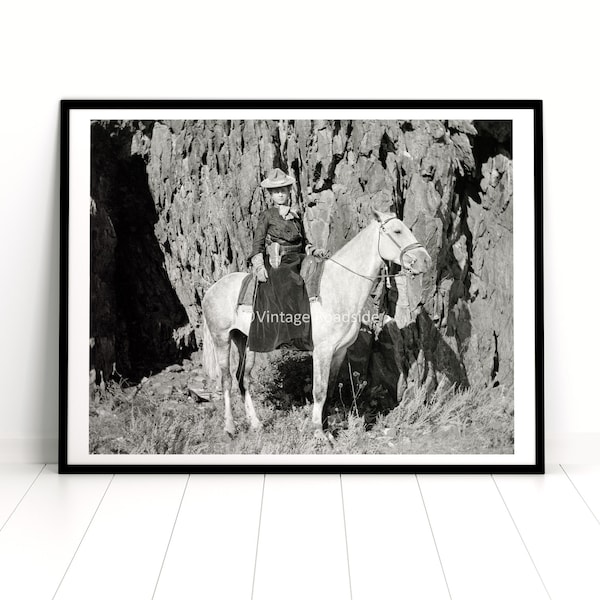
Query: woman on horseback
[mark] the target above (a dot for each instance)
(281, 314)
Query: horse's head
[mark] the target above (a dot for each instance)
(398, 244)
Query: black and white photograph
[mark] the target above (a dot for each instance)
(293, 289)
(298, 301)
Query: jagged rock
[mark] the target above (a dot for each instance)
(450, 181)
(133, 300)
(462, 126)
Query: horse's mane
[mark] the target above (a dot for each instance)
(357, 236)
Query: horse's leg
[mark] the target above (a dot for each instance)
(245, 384)
(222, 347)
(322, 356)
(244, 376)
(336, 363)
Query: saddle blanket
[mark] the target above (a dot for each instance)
(247, 291)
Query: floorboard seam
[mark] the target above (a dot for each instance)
(346, 537)
(162, 564)
(262, 497)
(433, 537)
(580, 494)
(83, 537)
(521, 537)
(14, 510)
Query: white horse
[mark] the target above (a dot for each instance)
(348, 277)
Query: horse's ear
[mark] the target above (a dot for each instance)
(378, 216)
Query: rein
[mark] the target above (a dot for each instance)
(356, 272)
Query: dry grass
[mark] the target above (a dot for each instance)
(134, 421)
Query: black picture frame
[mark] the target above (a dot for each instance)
(69, 250)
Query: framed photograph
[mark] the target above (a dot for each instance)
(301, 286)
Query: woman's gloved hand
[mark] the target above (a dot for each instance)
(258, 268)
(320, 253)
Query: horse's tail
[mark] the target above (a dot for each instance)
(209, 354)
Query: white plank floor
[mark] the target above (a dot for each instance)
(281, 536)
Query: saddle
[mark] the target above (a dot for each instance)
(311, 271)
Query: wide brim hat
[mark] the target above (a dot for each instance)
(276, 179)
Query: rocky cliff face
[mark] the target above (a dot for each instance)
(138, 323)
(183, 198)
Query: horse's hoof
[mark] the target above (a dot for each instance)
(230, 429)
(326, 438)
(256, 425)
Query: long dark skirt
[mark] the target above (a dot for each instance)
(281, 309)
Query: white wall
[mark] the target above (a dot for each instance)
(313, 49)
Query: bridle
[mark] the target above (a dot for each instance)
(404, 270)
(403, 251)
